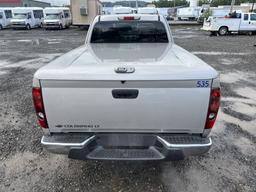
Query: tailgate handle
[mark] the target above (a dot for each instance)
(125, 93)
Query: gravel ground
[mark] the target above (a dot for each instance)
(26, 166)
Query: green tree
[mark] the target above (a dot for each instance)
(201, 2)
(167, 3)
(215, 3)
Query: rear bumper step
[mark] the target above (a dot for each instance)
(126, 146)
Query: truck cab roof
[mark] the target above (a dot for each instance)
(141, 17)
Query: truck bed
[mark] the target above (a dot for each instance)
(166, 81)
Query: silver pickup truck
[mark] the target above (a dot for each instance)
(129, 93)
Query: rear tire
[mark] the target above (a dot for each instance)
(223, 31)
(1, 27)
(60, 27)
(28, 27)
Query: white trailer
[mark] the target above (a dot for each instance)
(244, 22)
(57, 17)
(84, 11)
(122, 10)
(188, 13)
(5, 17)
(27, 17)
(147, 10)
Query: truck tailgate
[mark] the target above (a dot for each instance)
(125, 106)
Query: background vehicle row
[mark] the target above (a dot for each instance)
(34, 17)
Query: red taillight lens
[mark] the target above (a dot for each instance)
(128, 18)
(214, 105)
(39, 107)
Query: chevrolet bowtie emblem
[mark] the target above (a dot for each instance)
(125, 70)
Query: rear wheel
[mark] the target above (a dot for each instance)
(223, 31)
(28, 27)
(60, 26)
(1, 27)
(41, 25)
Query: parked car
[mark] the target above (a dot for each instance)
(238, 22)
(27, 17)
(5, 17)
(57, 17)
(129, 93)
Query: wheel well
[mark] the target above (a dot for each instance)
(223, 26)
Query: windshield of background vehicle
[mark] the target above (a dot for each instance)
(52, 16)
(20, 15)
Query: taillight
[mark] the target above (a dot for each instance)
(39, 107)
(213, 108)
(128, 18)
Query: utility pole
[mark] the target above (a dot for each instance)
(137, 5)
(232, 5)
(253, 5)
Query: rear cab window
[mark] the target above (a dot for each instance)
(129, 32)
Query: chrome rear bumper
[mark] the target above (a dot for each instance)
(127, 146)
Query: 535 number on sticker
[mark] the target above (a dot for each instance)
(203, 83)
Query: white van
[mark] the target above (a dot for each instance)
(57, 17)
(27, 17)
(5, 17)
